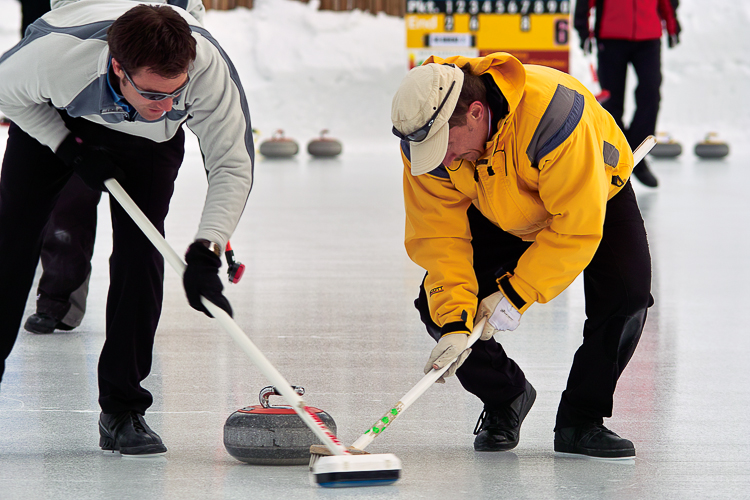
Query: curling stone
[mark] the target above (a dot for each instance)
(271, 435)
(666, 147)
(279, 146)
(324, 146)
(711, 147)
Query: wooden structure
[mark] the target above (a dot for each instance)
(390, 7)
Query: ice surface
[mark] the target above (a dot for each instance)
(327, 296)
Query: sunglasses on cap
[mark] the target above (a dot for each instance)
(156, 96)
(422, 132)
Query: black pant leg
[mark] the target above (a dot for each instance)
(617, 286)
(646, 60)
(136, 271)
(31, 10)
(488, 372)
(613, 57)
(67, 248)
(32, 177)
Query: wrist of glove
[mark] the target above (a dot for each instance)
(92, 164)
(451, 348)
(501, 315)
(673, 40)
(201, 278)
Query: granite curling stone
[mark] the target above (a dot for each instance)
(324, 146)
(666, 147)
(271, 435)
(279, 146)
(711, 147)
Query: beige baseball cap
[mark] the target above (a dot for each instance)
(425, 90)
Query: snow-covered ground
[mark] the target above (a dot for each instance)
(305, 70)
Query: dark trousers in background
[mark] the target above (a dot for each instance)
(30, 183)
(645, 56)
(67, 248)
(31, 10)
(617, 286)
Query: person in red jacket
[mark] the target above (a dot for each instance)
(629, 32)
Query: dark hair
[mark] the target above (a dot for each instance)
(472, 90)
(154, 37)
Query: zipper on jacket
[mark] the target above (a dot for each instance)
(490, 173)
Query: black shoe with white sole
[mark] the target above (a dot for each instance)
(128, 433)
(500, 429)
(593, 440)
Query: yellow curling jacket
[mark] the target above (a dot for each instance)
(545, 176)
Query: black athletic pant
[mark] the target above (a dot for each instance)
(645, 56)
(617, 284)
(67, 248)
(31, 180)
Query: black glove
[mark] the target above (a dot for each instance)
(586, 44)
(674, 38)
(202, 278)
(92, 164)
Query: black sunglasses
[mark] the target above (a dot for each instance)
(156, 96)
(422, 132)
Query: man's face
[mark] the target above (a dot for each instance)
(146, 81)
(468, 141)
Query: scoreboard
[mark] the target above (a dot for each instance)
(535, 31)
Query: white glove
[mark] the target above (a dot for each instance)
(501, 315)
(451, 348)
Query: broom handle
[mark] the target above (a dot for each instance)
(271, 373)
(411, 396)
(642, 150)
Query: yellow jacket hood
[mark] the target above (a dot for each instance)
(507, 71)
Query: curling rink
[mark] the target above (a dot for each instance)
(327, 297)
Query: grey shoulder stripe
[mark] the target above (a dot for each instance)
(559, 120)
(611, 155)
(91, 101)
(40, 28)
(243, 98)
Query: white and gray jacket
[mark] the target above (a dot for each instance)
(63, 62)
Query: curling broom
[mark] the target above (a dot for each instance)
(341, 469)
(317, 452)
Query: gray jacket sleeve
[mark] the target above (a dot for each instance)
(221, 121)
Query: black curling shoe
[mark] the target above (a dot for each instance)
(500, 429)
(643, 173)
(42, 323)
(128, 433)
(593, 440)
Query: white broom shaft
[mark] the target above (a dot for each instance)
(276, 378)
(265, 366)
(146, 226)
(420, 388)
(642, 150)
(433, 374)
